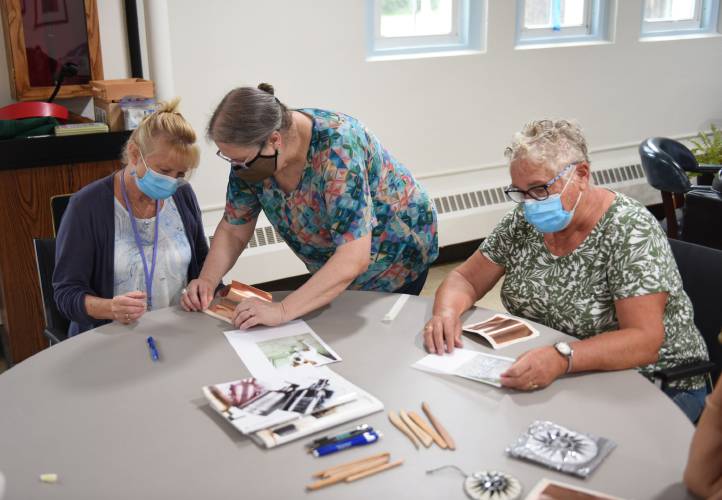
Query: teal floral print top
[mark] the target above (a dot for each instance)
(625, 255)
(351, 187)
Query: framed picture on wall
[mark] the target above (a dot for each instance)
(41, 36)
(50, 12)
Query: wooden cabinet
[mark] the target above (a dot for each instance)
(31, 172)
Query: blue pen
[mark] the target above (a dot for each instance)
(360, 440)
(153, 349)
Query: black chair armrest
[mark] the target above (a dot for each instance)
(55, 335)
(706, 168)
(685, 371)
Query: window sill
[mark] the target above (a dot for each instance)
(553, 45)
(424, 55)
(670, 37)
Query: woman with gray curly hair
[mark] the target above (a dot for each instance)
(583, 260)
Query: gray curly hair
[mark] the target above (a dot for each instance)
(553, 144)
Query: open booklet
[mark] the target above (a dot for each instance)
(294, 403)
(502, 330)
(223, 306)
(465, 363)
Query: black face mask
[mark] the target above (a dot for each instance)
(260, 168)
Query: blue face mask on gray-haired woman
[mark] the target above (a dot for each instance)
(544, 211)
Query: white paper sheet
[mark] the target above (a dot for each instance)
(466, 363)
(293, 345)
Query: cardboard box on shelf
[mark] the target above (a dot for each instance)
(108, 93)
(115, 90)
(110, 113)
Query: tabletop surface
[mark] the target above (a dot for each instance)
(112, 424)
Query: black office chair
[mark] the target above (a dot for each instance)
(58, 204)
(701, 271)
(56, 325)
(666, 163)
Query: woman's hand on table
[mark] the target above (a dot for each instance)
(252, 312)
(535, 369)
(197, 295)
(442, 333)
(128, 307)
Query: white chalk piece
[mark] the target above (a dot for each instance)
(49, 478)
(396, 308)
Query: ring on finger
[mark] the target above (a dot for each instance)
(184, 291)
(127, 317)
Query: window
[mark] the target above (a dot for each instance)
(679, 17)
(416, 27)
(541, 22)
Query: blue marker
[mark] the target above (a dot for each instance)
(153, 349)
(360, 440)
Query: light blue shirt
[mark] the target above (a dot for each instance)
(172, 260)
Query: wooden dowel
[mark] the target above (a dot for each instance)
(439, 428)
(375, 470)
(400, 425)
(333, 470)
(347, 472)
(423, 437)
(427, 429)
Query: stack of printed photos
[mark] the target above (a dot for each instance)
(291, 393)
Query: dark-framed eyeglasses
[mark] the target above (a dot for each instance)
(241, 165)
(539, 193)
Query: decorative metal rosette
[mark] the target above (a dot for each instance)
(561, 449)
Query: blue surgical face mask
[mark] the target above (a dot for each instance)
(549, 216)
(155, 185)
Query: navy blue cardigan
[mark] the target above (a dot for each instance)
(85, 248)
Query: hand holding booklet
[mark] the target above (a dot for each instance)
(465, 363)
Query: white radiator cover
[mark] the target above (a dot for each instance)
(470, 202)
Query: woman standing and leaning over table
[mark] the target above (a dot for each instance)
(581, 259)
(346, 207)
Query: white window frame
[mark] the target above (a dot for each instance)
(705, 21)
(595, 29)
(468, 19)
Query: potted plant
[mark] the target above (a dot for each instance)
(708, 147)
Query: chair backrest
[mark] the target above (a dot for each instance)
(58, 204)
(664, 162)
(45, 260)
(701, 270)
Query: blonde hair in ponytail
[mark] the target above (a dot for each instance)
(168, 126)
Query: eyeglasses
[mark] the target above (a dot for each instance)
(539, 193)
(240, 165)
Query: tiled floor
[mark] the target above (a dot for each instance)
(491, 300)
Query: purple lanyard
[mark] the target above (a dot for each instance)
(139, 244)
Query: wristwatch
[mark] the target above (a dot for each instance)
(565, 350)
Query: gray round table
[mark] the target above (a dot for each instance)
(112, 424)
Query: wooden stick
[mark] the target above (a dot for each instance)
(427, 429)
(439, 428)
(375, 470)
(347, 472)
(400, 425)
(423, 437)
(338, 468)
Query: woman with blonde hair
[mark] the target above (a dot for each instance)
(131, 241)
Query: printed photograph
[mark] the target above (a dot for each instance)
(297, 350)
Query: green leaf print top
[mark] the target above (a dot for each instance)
(625, 255)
